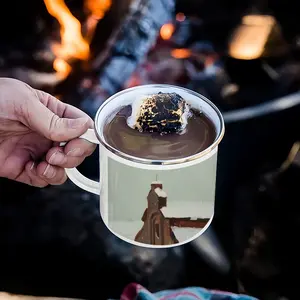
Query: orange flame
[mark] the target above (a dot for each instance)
(97, 10)
(167, 31)
(180, 53)
(73, 44)
(62, 67)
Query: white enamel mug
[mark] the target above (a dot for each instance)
(153, 203)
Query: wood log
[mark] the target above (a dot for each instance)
(132, 41)
(128, 46)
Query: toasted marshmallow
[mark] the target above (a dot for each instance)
(163, 113)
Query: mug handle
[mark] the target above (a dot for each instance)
(76, 177)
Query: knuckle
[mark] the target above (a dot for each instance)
(56, 128)
(53, 126)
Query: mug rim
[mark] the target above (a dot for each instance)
(147, 161)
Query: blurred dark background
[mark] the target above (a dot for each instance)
(242, 55)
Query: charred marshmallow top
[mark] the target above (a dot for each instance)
(162, 113)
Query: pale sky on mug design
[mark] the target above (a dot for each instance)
(190, 191)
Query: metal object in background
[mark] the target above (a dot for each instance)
(263, 109)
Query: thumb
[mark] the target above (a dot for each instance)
(55, 128)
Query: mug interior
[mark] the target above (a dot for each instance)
(126, 97)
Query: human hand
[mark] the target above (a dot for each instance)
(32, 124)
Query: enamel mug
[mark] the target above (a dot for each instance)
(153, 203)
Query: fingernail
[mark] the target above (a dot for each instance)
(49, 172)
(77, 123)
(32, 169)
(75, 152)
(57, 158)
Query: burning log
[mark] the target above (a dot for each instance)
(128, 47)
(74, 46)
(133, 41)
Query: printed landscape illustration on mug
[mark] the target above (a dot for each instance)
(157, 228)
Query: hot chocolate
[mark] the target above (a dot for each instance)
(198, 134)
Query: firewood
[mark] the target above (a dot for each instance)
(131, 42)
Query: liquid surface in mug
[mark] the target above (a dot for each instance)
(198, 134)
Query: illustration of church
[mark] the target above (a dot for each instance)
(157, 229)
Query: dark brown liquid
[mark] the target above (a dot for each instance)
(199, 134)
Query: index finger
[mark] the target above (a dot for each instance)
(60, 108)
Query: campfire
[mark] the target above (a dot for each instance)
(61, 41)
(93, 48)
(75, 38)
(99, 47)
